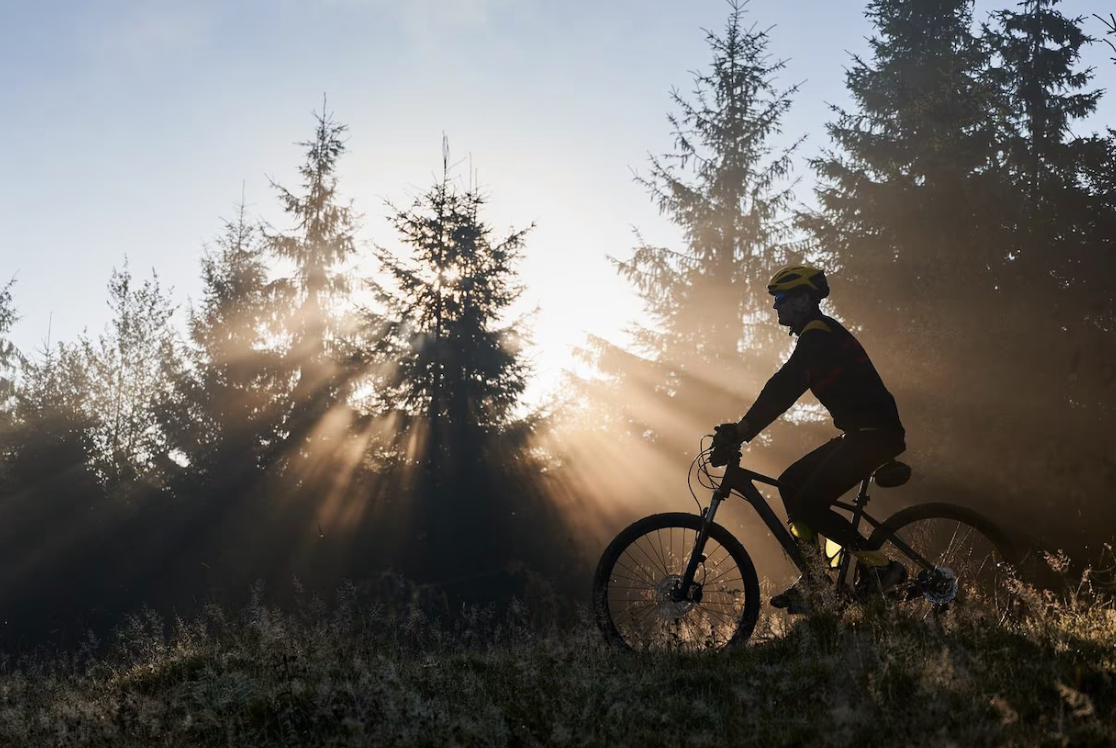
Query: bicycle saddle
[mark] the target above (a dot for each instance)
(892, 474)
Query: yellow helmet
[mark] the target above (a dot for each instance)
(799, 276)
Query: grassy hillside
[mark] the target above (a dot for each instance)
(363, 673)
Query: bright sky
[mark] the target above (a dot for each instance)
(130, 125)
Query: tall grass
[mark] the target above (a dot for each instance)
(366, 671)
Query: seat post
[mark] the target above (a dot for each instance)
(862, 496)
(859, 503)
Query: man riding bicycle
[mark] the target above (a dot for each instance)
(831, 363)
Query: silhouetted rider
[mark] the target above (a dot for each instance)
(831, 363)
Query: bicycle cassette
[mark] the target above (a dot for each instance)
(939, 587)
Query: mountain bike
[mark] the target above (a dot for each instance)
(679, 581)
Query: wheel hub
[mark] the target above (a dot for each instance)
(669, 600)
(939, 586)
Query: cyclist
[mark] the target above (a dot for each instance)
(831, 363)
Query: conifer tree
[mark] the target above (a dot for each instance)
(52, 441)
(908, 192)
(911, 197)
(727, 192)
(710, 343)
(232, 401)
(303, 303)
(55, 501)
(447, 370)
(9, 361)
(133, 366)
(1062, 225)
(924, 204)
(1039, 50)
(442, 354)
(1109, 29)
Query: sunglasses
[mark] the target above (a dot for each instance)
(781, 297)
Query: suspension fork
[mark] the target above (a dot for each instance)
(697, 556)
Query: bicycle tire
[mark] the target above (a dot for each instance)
(743, 613)
(981, 566)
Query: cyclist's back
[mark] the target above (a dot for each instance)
(831, 363)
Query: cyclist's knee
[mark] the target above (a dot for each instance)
(788, 493)
(802, 532)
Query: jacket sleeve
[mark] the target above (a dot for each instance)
(786, 385)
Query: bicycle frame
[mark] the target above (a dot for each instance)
(742, 480)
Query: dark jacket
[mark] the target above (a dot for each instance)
(831, 363)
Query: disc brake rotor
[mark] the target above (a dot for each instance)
(664, 597)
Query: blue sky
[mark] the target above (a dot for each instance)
(129, 128)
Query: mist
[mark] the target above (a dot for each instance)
(334, 409)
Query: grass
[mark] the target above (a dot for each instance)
(362, 672)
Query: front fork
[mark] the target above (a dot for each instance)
(687, 590)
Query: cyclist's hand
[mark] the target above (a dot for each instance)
(735, 433)
(726, 434)
(725, 440)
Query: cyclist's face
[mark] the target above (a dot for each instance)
(792, 307)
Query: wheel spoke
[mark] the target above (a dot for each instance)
(946, 555)
(722, 616)
(640, 566)
(653, 621)
(640, 596)
(726, 571)
(662, 553)
(725, 616)
(632, 579)
(953, 543)
(721, 560)
(647, 555)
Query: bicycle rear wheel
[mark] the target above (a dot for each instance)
(644, 564)
(964, 543)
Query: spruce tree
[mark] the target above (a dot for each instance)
(305, 318)
(1039, 51)
(52, 436)
(9, 354)
(1062, 225)
(53, 544)
(442, 353)
(725, 187)
(1062, 234)
(1109, 29)
(925, 200)
(710, 342)
(906, 192)
(232, 401)
(911, 195)
(446, 372)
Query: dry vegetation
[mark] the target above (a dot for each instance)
(362, 672)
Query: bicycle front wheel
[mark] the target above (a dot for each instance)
(972, 557)
(642, 567)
